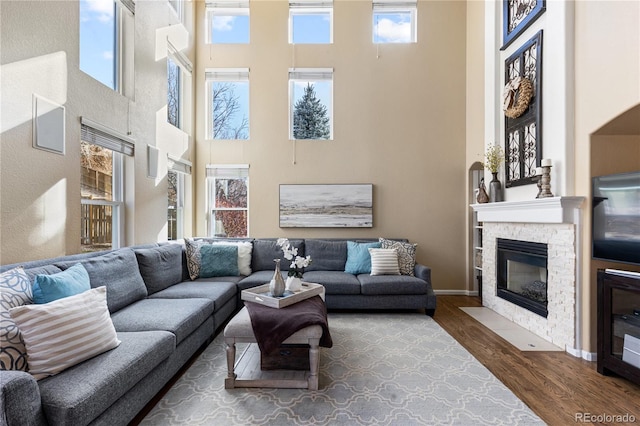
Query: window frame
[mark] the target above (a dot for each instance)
(231, 75)
(180, 100)
(178, 7)
(391, 7)
(182, 169)
(224, 171)
(310, 8)
(96, 134)
(225, 8)
(309, 75)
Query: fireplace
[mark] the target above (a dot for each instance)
(521, 271)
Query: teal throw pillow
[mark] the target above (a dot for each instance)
(72, 281)
(358, 257)
(218, 261)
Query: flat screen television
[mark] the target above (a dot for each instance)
(616, 218)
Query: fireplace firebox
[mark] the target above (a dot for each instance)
(522, 274)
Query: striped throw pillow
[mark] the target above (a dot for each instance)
(384, 261)
(65, 332)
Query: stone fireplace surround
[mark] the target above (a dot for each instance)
(555, 221)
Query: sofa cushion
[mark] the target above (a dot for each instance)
(406, 254)
(178, 316)
(15, 290)
(218, 260)
(334, 282)
(245, 249)
(32, 273)
(358, 257)
(219, 292)
(384, 261)
(65, 332)
(118, 271)
(258, 278)
(392, 284)
(326, 255)
(49, 287)
(160, 267)
(80, 394)
(265, 250)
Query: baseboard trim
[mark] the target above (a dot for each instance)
(455, 293)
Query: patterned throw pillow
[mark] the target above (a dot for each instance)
(406, 254)
(384, 261)
(205, 259)
(85, 316)
(15, 290)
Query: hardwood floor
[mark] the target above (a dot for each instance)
(555, 385)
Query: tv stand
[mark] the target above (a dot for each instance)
(619, 323)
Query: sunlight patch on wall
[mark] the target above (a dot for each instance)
(49, 214)
(176, 34)
(44, 75)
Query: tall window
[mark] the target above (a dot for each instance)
(102, 186)
(106, 42)
(179, 70)
(227, 200)
(311, 21)
(394, 21)
(228, 22)
(178, 171)
(311, 103)
(178, 8)
(227, 103)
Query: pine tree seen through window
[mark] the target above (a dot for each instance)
(311, 103)
(310, 117)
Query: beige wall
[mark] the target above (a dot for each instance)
(399, 123)
(607, 84)
(40, 191)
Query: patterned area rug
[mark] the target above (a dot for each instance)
(384, 369)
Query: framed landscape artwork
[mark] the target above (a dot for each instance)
(326, 206)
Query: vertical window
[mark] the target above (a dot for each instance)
(395, 21)
(227, 22)
(102, 187)
(310, 22)
(227, 103)
(106, 42)
(227, 200)
(173, 92)
(178, 170)
(179, 70)
(311, 103)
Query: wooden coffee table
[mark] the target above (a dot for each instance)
(246, 372)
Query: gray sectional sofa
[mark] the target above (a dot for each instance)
(162, 318)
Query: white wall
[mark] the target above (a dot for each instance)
(40, 191)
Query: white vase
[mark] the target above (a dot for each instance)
(294, 284)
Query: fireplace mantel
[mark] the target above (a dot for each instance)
(538, 210)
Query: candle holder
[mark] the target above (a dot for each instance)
(545, 180)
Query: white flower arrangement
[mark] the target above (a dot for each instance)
(298, 263)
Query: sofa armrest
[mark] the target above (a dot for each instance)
(20, 399)
(423, 272)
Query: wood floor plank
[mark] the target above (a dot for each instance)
(555, 385)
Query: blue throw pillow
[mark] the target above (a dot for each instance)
(358, 257)
(72, 281)
(218, 261)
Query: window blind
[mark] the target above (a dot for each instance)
(314, 74)
(394, 4)
(180, 58)
(179, 165)
(310, 4)
(105, 137)
(227, 5)
(227, 74)
(130, 5)
(228, 171)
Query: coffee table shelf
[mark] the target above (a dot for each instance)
(262, 295)
(249, 374)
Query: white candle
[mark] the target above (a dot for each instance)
(538, 171)
(546, 162)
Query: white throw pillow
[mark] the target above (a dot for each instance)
(384, 261)
(65, 332)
